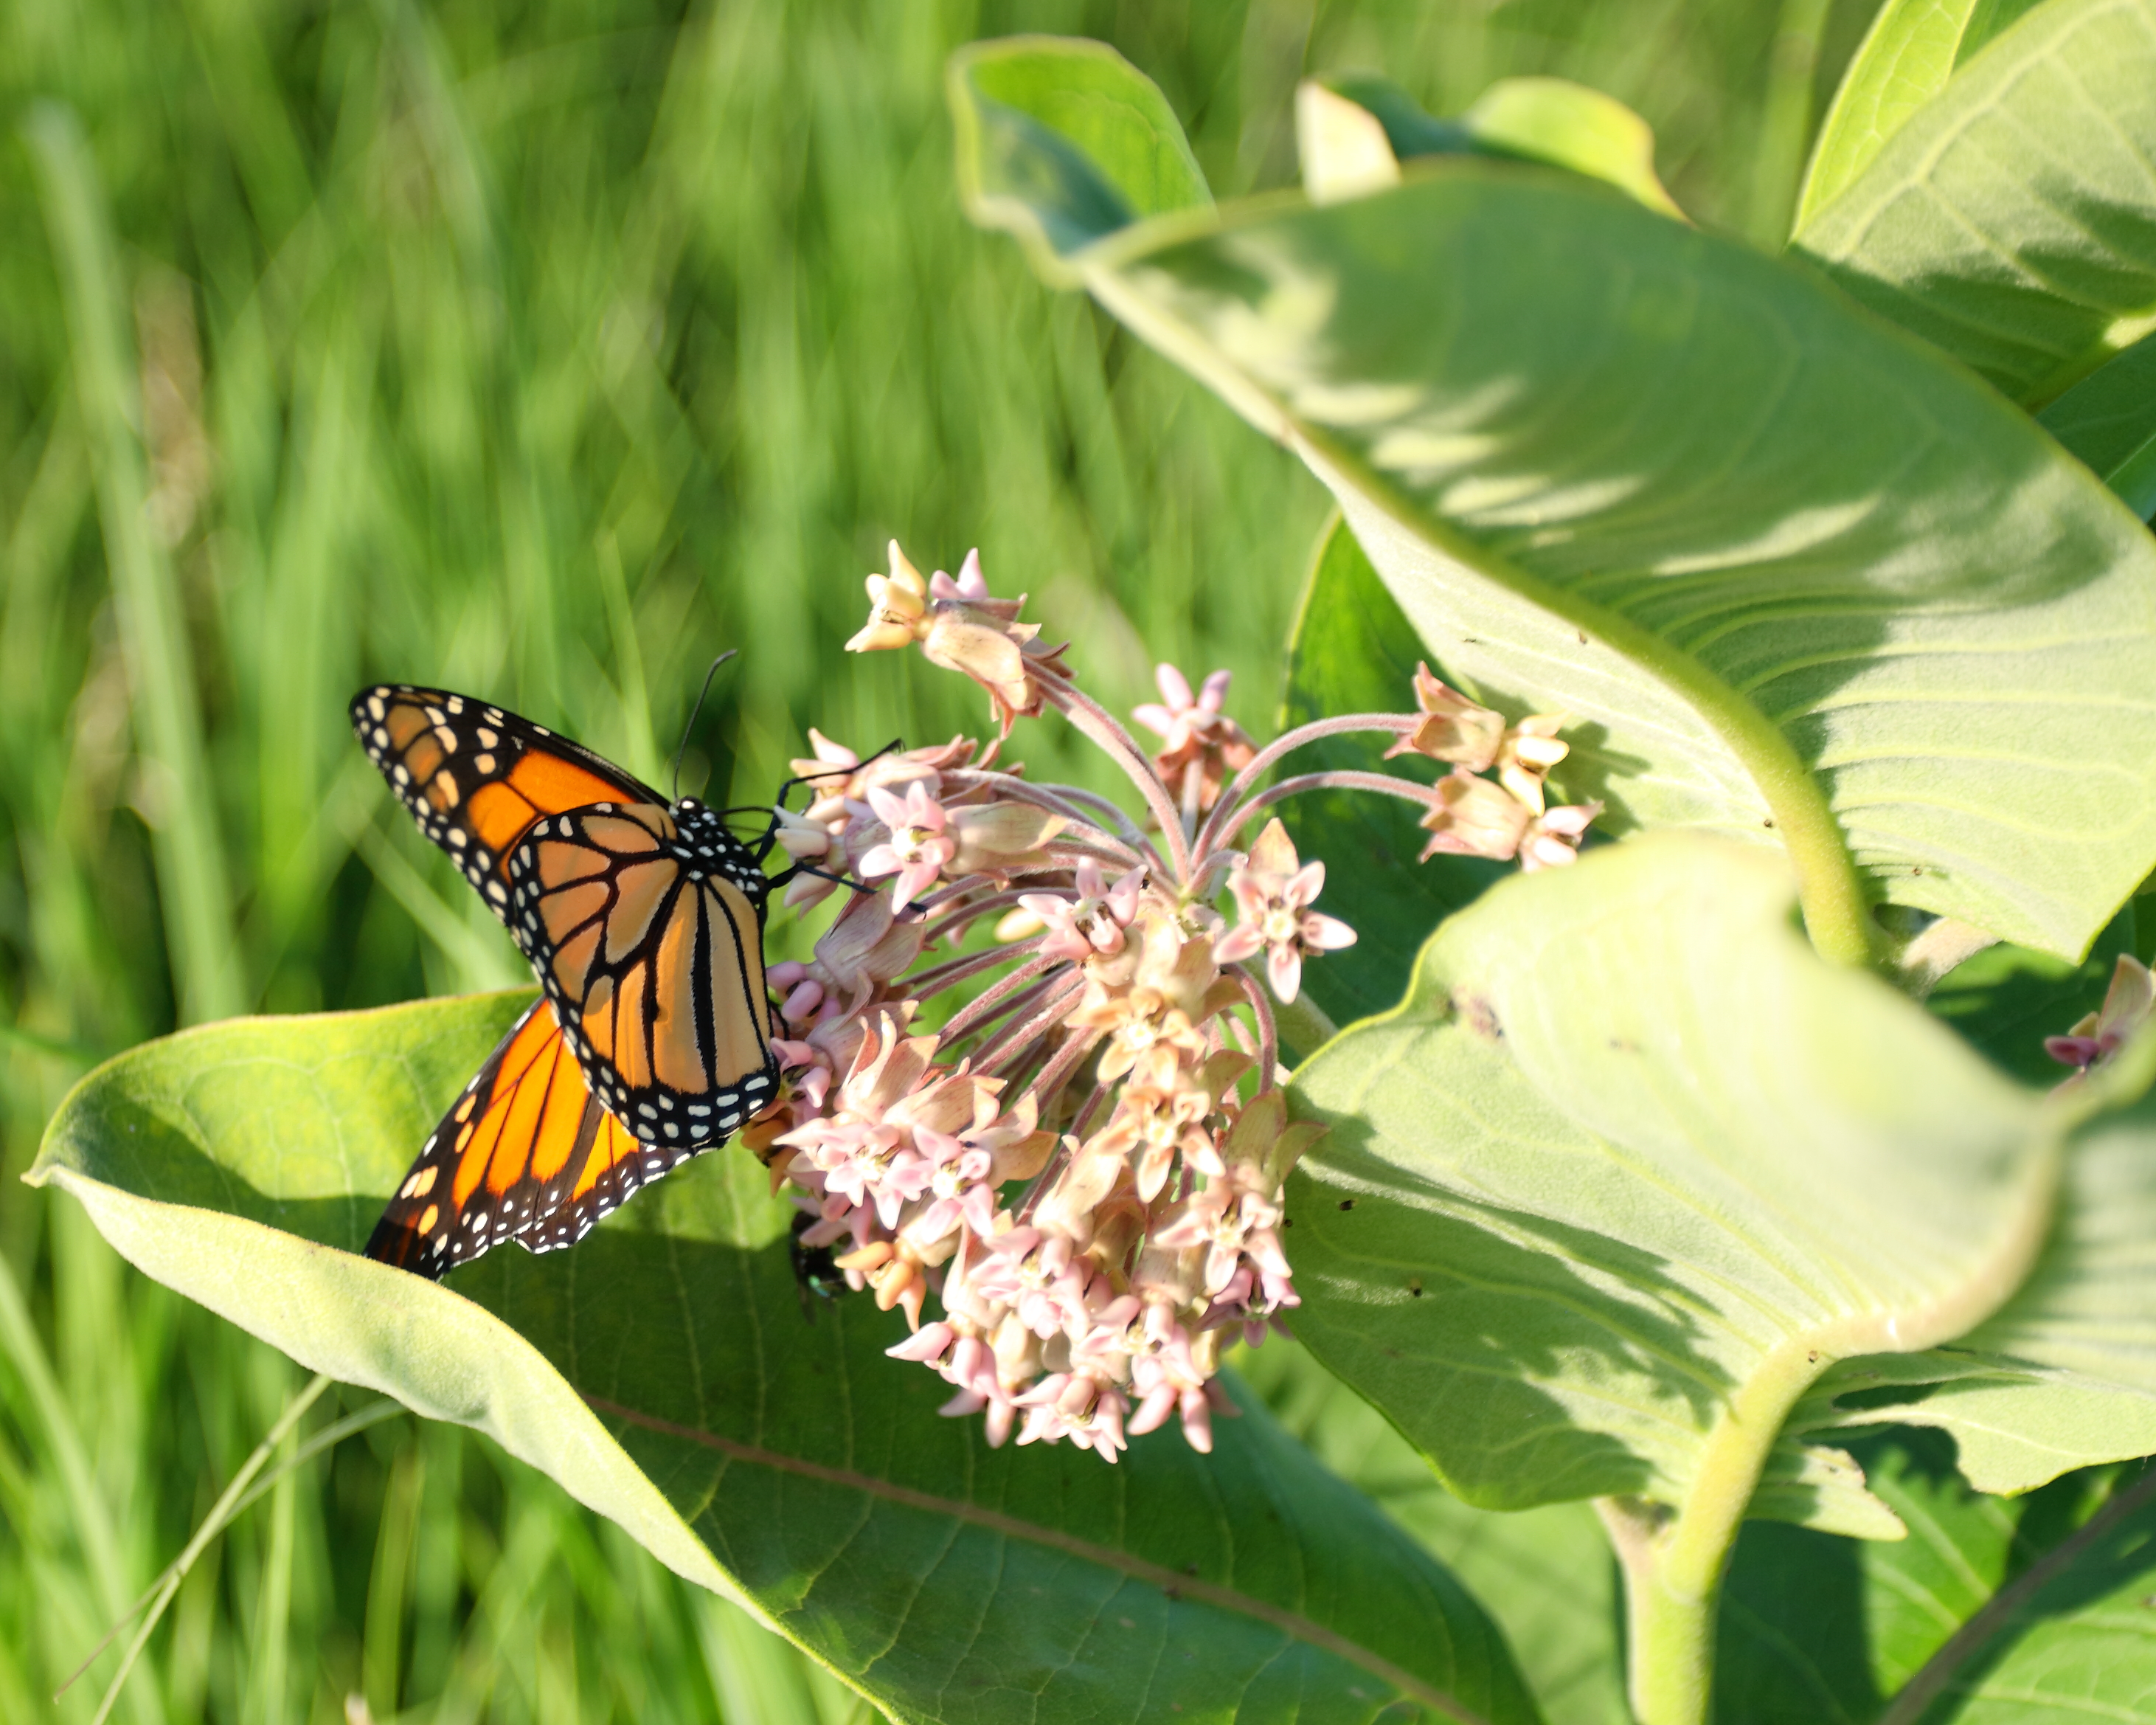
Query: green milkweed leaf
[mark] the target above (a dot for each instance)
(664, 1372)
(1547, 1575)
(2030, 1610)
(2010, 220)
(1063, 141)
(1551, 121)
(1906, 59)
(2064, 1374)
(2109, 420)
(1793, 578)
(1628, 1167)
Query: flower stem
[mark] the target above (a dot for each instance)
(1396, 724)
(992, 1000)
(1095, 721)
(1261, 1009)
(1059, 1000)
(1674, 1562)
(1339, 779)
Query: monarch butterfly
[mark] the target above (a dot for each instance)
(643, 917)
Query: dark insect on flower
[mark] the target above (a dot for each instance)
(816, 1274)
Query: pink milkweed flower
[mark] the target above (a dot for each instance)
(1073, 1405)
(958, 1189)
(1092, 922)
(2128, 1004)
(1551, 839)
(1271, 894)
(918, 846)
(1196, 736)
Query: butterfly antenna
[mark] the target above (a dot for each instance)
(675, 794)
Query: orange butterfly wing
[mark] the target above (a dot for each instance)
(476, 778)
(649, 940)
(526, 1153)
(645, 924)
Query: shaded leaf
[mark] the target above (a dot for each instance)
(1551, 121)
(1800, 580)
(664, 1372)
(1547, 1575)
(2029, 1609)
(1629, 1156)
(1353, 651)
(2109, 420)
(2064, 1374)
(1062, 141)
(2071, 1637)
(1814, 1628)
(2012, 220)
(1906, 59)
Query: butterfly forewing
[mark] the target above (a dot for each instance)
(645, 922)
(476, 777)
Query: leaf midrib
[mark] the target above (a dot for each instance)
(1173, 1583)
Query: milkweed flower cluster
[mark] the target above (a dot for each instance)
(1083, 1162)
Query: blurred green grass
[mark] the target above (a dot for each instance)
(543, 351)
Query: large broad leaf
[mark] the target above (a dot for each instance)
(1906, 59)
(1353, 652)
(1629, 1168)
(1792, 576)
(1062, 142)
(2021, 1610)
(2012, 220)
(2109, 420)
(1547, 1575)
(2064, 1374)
(666, 1373)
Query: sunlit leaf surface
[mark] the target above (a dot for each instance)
(666, 1371)
(1628, 1157)
(2064, 1374)
(1792, 577)
(2011, 221)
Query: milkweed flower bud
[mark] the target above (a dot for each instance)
(1202, 747)
(1551, 839)
(1473, 817)
(2128, 1004)
(1454, 728)
(1529, 750)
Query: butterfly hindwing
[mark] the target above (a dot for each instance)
(525, 1153)
(648, 936)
